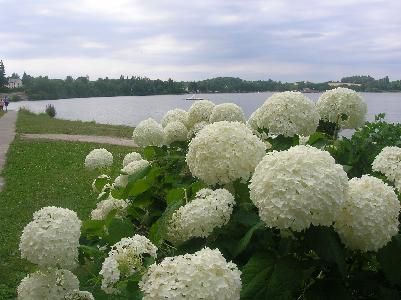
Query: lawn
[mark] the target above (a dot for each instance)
(29, 122)
(2, 113)
(38, 174)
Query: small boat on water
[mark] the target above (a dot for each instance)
(194, 98)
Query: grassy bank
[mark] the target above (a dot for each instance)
(38, 174)
(29, 122)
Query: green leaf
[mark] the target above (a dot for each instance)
(118, 229)
(255, 275)
(325, 242)
(318, 140)
(285, 280)
(100, 182)
(158, 230)
(243, 243)
(93, 228)
(175, 195)
(327, 289)
(389, 258)
(241, 191)
(194, 188)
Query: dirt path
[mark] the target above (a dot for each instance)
(81, 138)
(7, 134)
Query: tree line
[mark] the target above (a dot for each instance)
(42, 87)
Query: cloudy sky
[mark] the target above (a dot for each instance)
(286, 40)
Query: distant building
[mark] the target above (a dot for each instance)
(343, 84)
(14, 83)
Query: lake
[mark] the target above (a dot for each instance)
(130, 110)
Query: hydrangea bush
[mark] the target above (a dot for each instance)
(213, 208)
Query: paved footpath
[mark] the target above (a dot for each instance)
(7, 134)
(81, 138)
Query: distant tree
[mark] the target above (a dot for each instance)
(14, 76)
(3, 79)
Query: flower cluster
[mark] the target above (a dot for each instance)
(223, 152)
(209, 210)
(49, 284)
(175, 115)
(227, 112)
(200, 111)
(52, 238)
(124, 259)
(388, 162)
(174, 132)
(135, 167)
(202, 275)
(369, 218)
(79, 295)
(121, 181)
(148, 133)
(298, 187)
(130, 157)
(98, 158)
(195, 129)
(343, 106)
(289, 114)
(103, 208)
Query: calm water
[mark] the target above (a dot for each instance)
(130, 110)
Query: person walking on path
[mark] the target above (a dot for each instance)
(1, 104)
(6, 102)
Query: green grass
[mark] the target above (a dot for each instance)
(2, 113)
(29, 122)
(38, 174)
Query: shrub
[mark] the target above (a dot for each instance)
(212, 240)
(50, 110)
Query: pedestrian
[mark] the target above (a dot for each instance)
(1, 104)
(6, 102)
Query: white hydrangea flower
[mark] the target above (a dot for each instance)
(202, 275)
(121, 181)
(103, 208)
(130, 157)
(388, 162)
(195, 129)
(125, 258)
(227, 112)
(50, 284)
(198, 218)
(298, 187)
(333, 103)
(175, 115)
(104, 178)
(369, 217)
(223, 152)
(52, 238)
(148, 133)
(289, 114)
(135, 167)
(98, 158)
(79, 295)
(252, 122)
(175, 131)
(303, 140)
(200, 111)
